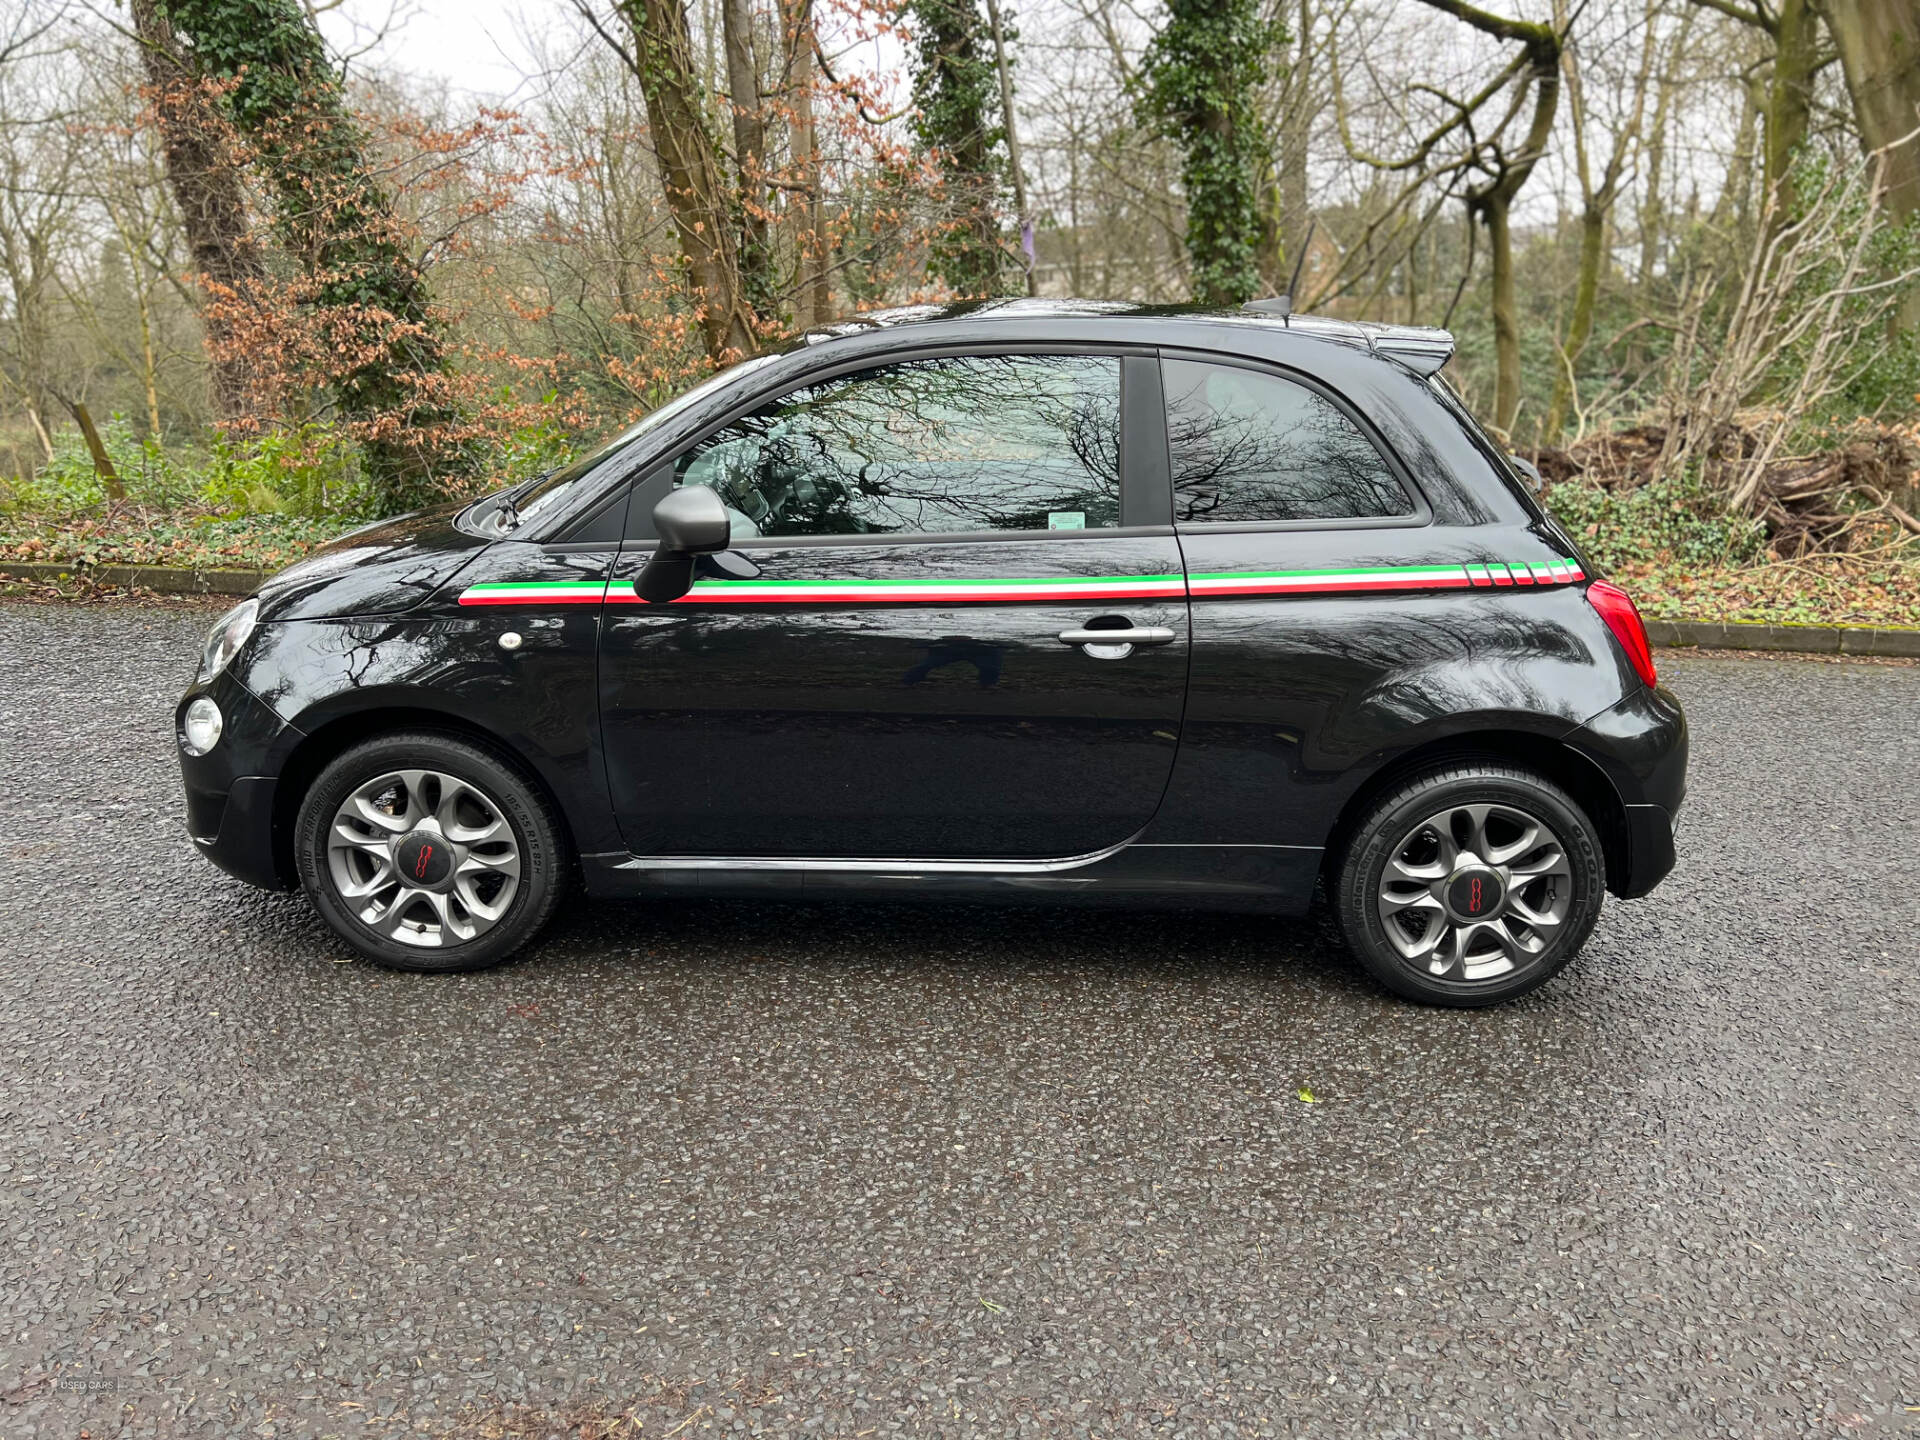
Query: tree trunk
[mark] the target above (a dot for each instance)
(40, 429)
(690, 172)
(102, 461)
(1586, 291)
(1879, 43)
(1789, 99)
(1493, 202)
(212, 199)
(1005, 67)
(749, 151)
(1270, 247)
(332, 213)
(1734, 205)
(1495, 211)
(1296, 122)
(813, 284)
(1652, 201)
(149, 364)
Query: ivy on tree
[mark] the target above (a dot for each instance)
(1199, 80)
(957, 91)
(335, 219)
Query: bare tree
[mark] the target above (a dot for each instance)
(1597, 197)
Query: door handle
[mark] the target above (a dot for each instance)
(1132, 635)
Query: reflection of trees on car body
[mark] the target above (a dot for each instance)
(1249, 446)
(962, 443)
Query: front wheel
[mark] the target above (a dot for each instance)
(1470, 884)
(425, 852)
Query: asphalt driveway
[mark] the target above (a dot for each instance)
(837, 1171)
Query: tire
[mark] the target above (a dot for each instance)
(1512, 908)
(459, 840)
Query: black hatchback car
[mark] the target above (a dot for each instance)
(1057, 603)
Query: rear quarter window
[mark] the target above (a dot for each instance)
(1248, 446)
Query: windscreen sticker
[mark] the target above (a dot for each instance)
(1214, 584)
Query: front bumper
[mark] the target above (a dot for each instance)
(230, 789)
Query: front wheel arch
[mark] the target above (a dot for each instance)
(319, 748)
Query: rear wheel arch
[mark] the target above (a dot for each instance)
(1559, 763)
(320, 746)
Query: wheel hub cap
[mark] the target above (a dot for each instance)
(1475, 892)
(424, 858)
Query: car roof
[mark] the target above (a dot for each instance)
(1420, 348)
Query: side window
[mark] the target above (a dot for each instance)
(977, 442)
(1248, 446)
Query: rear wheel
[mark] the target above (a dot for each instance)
(425, 852)
(1470, 884)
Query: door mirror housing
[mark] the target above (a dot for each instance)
(690, 521)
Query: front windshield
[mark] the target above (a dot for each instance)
(550, 490)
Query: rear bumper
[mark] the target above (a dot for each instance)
(1640, 745)
(1650, 855)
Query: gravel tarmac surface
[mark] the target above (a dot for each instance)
(822, 1170)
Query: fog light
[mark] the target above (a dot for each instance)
(200, 731)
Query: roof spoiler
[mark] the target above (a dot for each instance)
(1423, 349)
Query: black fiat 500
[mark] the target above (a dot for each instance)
(1066, 603)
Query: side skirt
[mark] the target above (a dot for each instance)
(1275, 879)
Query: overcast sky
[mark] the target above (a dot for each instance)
(475, 46)
(487, 49)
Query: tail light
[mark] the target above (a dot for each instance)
(1616, 607)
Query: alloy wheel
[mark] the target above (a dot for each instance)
(424, 858)
(1474, 892)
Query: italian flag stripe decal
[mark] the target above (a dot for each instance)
(535, 592)
(1474, 575)
(924, 592)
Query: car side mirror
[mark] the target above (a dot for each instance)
(690, 521)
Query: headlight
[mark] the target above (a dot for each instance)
(200, 729)
(229, 633)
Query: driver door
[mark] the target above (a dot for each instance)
(876, 669)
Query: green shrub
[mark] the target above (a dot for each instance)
(531, 449)
(1658, 523)
(312, 472)
(68, 484)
